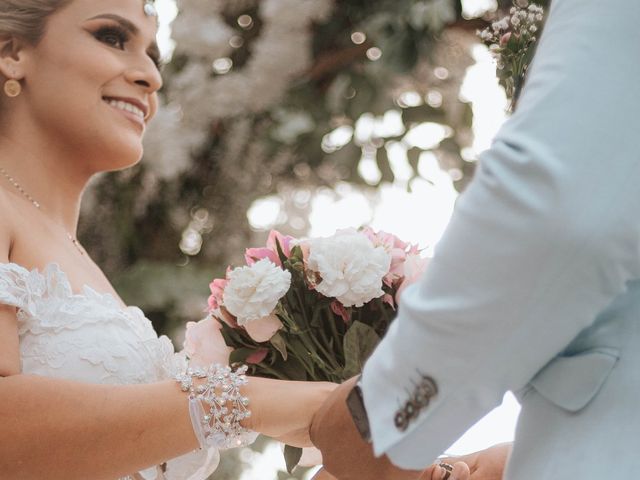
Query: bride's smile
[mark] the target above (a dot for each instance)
(132, 109)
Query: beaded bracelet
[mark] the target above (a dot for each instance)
(217, 406)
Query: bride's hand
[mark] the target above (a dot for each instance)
(284, 409)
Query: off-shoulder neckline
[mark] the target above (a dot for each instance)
(86, 290)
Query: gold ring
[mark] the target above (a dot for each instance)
(448, 469)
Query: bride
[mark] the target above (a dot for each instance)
(86, 390)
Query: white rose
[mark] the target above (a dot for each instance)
(350, 267)
(253, 292)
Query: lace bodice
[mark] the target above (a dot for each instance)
(89, 337)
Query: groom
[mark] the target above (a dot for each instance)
(535, 287)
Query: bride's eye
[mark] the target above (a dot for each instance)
(112, 36)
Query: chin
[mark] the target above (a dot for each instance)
(119, 156)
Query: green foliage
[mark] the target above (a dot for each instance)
(359, 343)
(137, 219)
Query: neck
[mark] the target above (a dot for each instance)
(48, 174)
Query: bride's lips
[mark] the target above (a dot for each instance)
(133, 109)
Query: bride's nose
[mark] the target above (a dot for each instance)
(145, 74)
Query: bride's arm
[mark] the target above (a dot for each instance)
(61, 429)
(58, 429)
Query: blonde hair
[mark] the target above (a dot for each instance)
(27, 19)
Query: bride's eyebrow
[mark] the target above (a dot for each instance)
(130, 27)
(124, 23)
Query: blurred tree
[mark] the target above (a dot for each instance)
(262, 96)
(267, 97)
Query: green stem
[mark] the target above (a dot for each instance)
(310, 340)
(330, 358)
(334, 330)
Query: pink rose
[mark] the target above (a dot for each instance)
(217, 290)
(504, 39)
(204, 343)
(257, 356)
(396, 271)
(414, 267)
(224, 315)
(252, 255)
(384, 239)
(339, 309)
(388, 299)
(263, 329)
(216, 303)
(398, 250)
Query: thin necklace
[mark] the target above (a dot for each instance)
(36, 204)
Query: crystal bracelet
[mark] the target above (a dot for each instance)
(217, 406)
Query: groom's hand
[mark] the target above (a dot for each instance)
(460, 472)
(488, 464)
(345, 454)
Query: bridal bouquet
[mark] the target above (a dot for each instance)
(512, 41)
(307, 309)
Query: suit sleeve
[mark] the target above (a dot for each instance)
(542, 240)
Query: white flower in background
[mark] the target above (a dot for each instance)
(202, 36)
(350, 267)
(291, 125)
(433, 14)
(280, 54)
(253, 292)
(167, 154)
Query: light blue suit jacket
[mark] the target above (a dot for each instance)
(534, 286)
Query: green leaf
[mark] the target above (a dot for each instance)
(292, 456)
(240, 355)
(316, 317)
(296, 255)
(514, 43)
(231, 336)
(359, 342)
(280, 345)
(281, 255)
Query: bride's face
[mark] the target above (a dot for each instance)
(92, 80)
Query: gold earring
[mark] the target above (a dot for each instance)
(12, 88)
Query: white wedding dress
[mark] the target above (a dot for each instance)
(89, 337)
